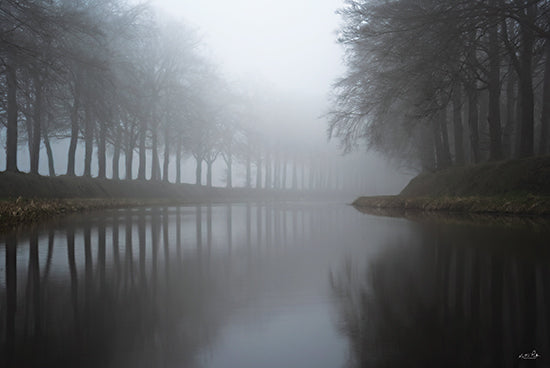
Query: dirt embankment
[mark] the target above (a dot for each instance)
(508, 187)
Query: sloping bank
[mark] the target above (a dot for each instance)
(27, 198)
(506, 187)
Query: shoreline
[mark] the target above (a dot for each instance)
(24, 211)
(519, 187)
(529, 204)
(27, 199)
(27, 211)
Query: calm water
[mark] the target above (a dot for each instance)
(273, 285)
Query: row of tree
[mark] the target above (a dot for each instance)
(124, 81)
(440, 83)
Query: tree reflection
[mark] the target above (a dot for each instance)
(33, 288)
(51, 235)
(11, 297)
(73, 274)
(130, 288)
(128, 257)
(450, 301)
(101, 321)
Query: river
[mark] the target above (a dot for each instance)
(274, 284)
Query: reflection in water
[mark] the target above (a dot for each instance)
(11, 296)
(452, 296)
(98, 315)
(131, 288)
(245, 285)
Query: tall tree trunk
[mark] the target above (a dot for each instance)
(209, 173)
(545, 114)
(101, 151)
(37, 123)
(473, 111)
(178, 160)
(229, 163)
(526, 96)
(198, 171)
(457, 125)
(129, 153)
(277, 171)
(74, 131)
(473, 101)
(155, 164)
(259, 172)
(49, 153)
(116, 152)
(446, 151)
(483, 124)
(436, 132)
(517, 128)
(29, 126)
(511, 102)
(495, 131)
(248, 183)
(88, 140)
(166, 161)
(427, 157)
(267, 171)
(11, 138)
(142, 153)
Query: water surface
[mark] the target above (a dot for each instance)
(272, 285)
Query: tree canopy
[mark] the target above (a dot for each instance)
(421, 75)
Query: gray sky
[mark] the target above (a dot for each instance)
(289, 44)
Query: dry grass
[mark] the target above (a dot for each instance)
(24, 211)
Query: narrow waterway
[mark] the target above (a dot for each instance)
(273, 285)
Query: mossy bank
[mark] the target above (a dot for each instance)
(507, 187)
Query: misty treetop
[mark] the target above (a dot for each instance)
(446, 82)
(98, 71)
(125, 82)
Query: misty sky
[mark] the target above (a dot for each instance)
(287, 44)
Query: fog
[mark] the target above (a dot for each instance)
(286, 43)
(224, 141)
(216, 93)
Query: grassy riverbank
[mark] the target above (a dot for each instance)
(24, 211)
(520, 187)
(26, 198)
(518, 205)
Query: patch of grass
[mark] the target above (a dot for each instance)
(24, 211)
(517, 187)
(26, 198)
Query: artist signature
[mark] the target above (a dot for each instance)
(529, 356)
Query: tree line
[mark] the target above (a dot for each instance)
(138, 92)
(440, 83)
